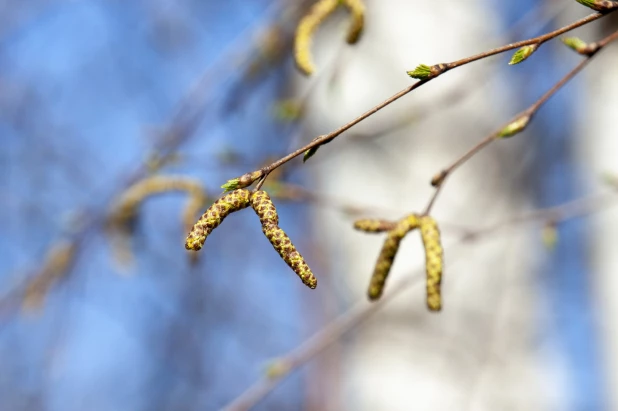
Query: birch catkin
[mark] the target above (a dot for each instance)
(387, 255)
(216, 213)
(266, 211)
(309, 23)
(264, 208)
(125, 208)
(357, 11)
(305, 30)
(190, 214)
(430, 234)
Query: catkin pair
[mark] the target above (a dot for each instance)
(266, 211)
(430, 235)
(310, 22)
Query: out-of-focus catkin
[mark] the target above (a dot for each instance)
(266, 211)
(216, 213)
(310, 22)
(305, 30)
(434, 261)
(125, 208)
(357, 11)
(387, 255)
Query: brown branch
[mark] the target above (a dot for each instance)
(283, 366)
(439, 70)
(518, 123)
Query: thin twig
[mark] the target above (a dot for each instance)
(439, 179)
(443, 68)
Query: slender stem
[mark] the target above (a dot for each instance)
(458, 63)
(440, 178)
(536, 40)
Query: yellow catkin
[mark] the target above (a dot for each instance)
(282, 243)
(58, 261)
(434, 261)
(266, 211)
(190, 214)
(357, 11)
(374, 226)
(216, 213)
(305, 30)
(191, 211)
(125, 208)
(388, 253)
(264, 208)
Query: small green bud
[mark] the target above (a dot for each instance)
(231, 185)
(421, 72)
(243, 181)
(523, 53)
(516, 127)
(425, 72)
(600, 5)
(311, 152)
(574, 43)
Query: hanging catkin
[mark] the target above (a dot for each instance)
(357, 11)
(216, 213)
(264, 208)
(388, 253)
(430, 234)
(305, 30)
(125, 207)
(266, 211)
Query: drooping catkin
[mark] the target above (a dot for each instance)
(190, 214)
(282, 243)
(266, 211)
(357, 11)
(191, 211)
(264, 208)
(125, 207)
(305, 30)
(434, 261)
(216, 213)
(388, 253)
(374, 226)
